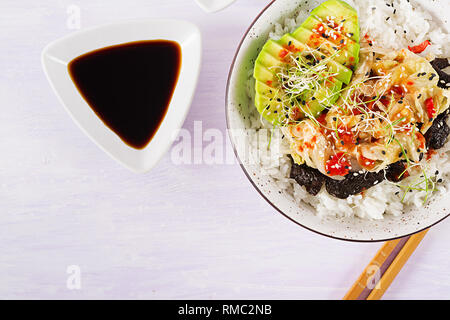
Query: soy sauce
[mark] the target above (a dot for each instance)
(129, 86)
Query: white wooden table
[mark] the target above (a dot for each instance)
(178, 232)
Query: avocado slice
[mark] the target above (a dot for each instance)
(336, 37)
(316, 41)
(339, 47)
(344, 74)
(338, 12)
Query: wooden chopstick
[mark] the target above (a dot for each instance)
(384, 267)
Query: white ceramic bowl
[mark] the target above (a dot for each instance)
(237, 106)
(57, 55)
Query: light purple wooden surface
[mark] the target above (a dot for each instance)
(177, 232)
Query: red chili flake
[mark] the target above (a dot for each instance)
(430, 153)
(338, 165)
(421, 139)
(296, 113)
(283, 53)
(365, 162)
(398, 90)
(385, 101)
(410, 83)
(429, 106)
(269, 82)
(321, 118)
(367, 38)
(346, 136)
(420, 48)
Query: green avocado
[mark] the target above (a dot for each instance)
(337, 38)
(340, 13)
(337, 45)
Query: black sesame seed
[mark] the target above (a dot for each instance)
(439, 181)
(437, 172)
(432, 76)
(400, 101)
(400, 154)
(313, 98)
(334, 119)
(289, 43)
(388, 18)
(342, 41)
(419, 96)
(383, 152)
(275, 111)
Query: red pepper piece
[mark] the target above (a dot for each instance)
(365, 162)
(338, 165)
(420, 48)
(283, 53)
(322, 118)
(429, 106)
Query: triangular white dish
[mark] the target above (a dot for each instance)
(57, 55)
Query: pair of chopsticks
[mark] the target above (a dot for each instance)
(384, 267)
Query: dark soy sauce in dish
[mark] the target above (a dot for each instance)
(129, 86)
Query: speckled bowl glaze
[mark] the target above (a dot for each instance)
(237, 109)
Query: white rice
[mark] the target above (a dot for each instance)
(386, 197)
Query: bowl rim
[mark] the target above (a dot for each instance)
(248, 175)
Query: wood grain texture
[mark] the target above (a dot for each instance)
(186, 231)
